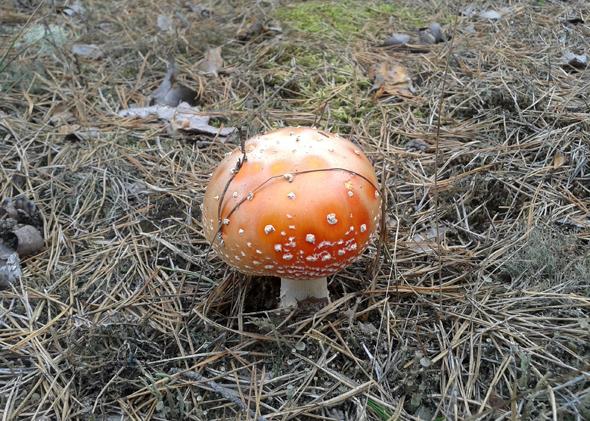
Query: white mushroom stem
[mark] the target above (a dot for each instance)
(294, 290)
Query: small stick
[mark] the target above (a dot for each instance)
(437, 161)
(242, 145)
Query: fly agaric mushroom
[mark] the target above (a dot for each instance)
(303, 205)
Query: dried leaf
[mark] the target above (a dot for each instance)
(165, 23)
(427, 241)
(61, 114)
(201, 10)
(17, 236)
(397, 39)
(490, 15)
(182, 117)
(91, 51)
(432, 35)
(577, 61)
(575, 221)
(10, 269)
(68, 129)
(415, 145)
(470, 10)
(254, 28)
(390, 79)
(437, 32)
(250, 31)
(75, 132)
(368, 328)
(558, 160)
(136, 188)
(29, 240)
(426, 37)
(273, 27)
(468, 29)
(212, 63)
(8, 209)
(21, 210)
(172, 93)
(75, 9)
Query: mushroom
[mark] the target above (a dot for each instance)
(301, 206)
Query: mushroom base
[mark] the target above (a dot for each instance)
(295, 290)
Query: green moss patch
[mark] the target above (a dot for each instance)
(342, 20)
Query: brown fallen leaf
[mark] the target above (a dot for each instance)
(90, 51)
(254, 28)
(68, 129)
(250, 30)
(61, 115)
(75, 132)
(182, 117)
(391, 79)
(212, 64)
(28, 240)
(170, 92)
(18, 237)
(558, 160)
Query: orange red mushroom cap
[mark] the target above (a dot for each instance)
(303, 205)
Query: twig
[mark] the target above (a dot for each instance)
(437, 157)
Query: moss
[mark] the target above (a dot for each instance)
(21, 75)
(307, 71)
(344, 19)
(282, 58)
(309, 74)
(550, 258)
(46, 38)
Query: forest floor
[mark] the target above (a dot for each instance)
(474, 303)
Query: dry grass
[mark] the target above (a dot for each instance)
(474, 304)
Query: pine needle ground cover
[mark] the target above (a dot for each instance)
(472, 304)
